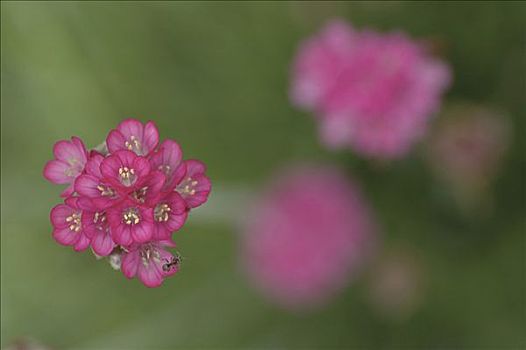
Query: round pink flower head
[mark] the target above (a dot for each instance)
(126, 198)
(306, 237)
(373, 93)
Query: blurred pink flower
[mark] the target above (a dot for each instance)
(306, 236)
(371, 92)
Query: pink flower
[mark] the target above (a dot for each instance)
(307, 236)
(92, 185)
(168, 159)
(150, 262)
(125, 171)
(130, 222)
(97, 228)
(126, 198)
(373, 93)
(67, 225)
(69, 162)
(196, 186)
(149, 192)
(131, 135)
(169, 215)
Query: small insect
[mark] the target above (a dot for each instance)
(173, 262)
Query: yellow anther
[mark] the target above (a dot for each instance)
(165, 168)
(70, 172)
(161, 212)
(133, 145)
(131, 216)
(75, 220)
(187, 187)
(127, 176)
(105, 191)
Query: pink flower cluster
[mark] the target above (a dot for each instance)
(307, 236)
(373, 93)
(127, 198)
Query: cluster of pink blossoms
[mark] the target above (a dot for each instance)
(127, 198)
(373, 93)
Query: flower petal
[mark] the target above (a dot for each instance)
(194, 167)
(130, 264)
(150, 137)
(82, 243)
(65, 236)
(143, 232)
(86, 185)
(83, 153)
(149, 275)
(115, 141)
(202, 190)
(102, 244)
(93, 165)
(141, 166)
(68, 191)
(66, 151)
(122, 234)
(58, 215)
(110, 166)
(131, 127)
(56, 172)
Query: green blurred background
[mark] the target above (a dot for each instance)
(214, 76)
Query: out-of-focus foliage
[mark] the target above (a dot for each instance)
(214, 76)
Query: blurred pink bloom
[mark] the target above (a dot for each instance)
(307, 236)
(150, 262)
(468, 145)
(70, 159)
(371, 92)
